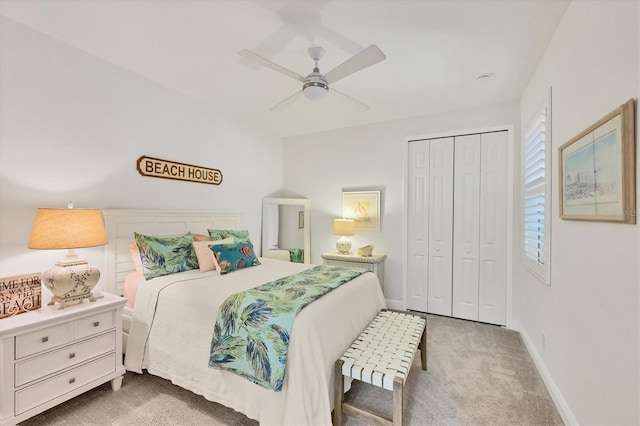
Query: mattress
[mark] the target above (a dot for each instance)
(173, 323)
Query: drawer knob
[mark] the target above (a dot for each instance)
(45, 339)
(72, 380)
(72, 355)
(96, 324)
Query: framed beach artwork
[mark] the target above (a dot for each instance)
(364, 208)
(597, 170)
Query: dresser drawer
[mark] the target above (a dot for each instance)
(40, 366)
(93, 324)
(32, 396)
(43, 339)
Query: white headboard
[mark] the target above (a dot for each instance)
(121, 224)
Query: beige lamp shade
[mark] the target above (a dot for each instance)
(344, 227)
(67, 229)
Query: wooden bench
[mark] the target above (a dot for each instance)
(382, 356)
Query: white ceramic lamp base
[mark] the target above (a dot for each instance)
(71, 280)
(343, 245)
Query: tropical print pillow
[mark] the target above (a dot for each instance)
(166, 255)
(240, 235)
(234, 256)
(206, 261)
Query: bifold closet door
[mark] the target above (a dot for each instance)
(430, 203)
(492, 276)
(417, 225)
(439, 288)
(479, 248)
(466, 231)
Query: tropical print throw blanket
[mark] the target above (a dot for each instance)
(251, 335)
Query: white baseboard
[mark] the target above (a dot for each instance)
(394, 304)
(563, 408)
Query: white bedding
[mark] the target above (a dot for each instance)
(173, 324)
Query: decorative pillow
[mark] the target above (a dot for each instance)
(206, 261)
(166, 255)
(130, 288)
(135, 253)
(239, 235)
(234, 256)
(135, 256)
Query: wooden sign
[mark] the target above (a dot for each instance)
(20, 293)
(165, 169)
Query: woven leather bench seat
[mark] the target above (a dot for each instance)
(382, 356)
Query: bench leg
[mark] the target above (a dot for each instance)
(338, 393)
(397, 401)
(423, 348)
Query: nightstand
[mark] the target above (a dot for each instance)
(49, 356)
(373, 263)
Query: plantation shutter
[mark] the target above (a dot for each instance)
(535, 190)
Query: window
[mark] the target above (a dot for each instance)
(536, 185)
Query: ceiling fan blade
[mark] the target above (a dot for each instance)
(357, 105)
(369, 56)
(270, 64)
(290, 100)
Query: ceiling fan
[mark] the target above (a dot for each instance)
(315, 86)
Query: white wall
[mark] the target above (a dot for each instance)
(320, 166)
(72, 127)
(590, 313)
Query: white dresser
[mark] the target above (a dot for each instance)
(373, 263)
(49, 356)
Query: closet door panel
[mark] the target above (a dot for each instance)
(493, 200)
(440, 226)
(418, 225)
(466, 232)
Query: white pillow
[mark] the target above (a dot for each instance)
(206, 260)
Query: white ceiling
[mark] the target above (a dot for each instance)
(435, 50)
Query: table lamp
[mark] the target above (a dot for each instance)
(71, 279)
(344, 228)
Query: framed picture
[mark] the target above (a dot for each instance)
(301, 219)
(364, 208)
(597, 170)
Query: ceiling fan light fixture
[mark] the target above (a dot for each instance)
(314, 91)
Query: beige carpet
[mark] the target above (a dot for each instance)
(478, 375)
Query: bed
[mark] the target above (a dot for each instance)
(169, 329)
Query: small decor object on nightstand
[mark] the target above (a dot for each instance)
(344, 228)
(19, 294)
(71, 279)
(366, 251)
